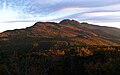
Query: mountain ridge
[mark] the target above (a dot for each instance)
(77, 32)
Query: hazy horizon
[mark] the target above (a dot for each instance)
(21, 25)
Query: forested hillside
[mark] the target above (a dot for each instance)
(65, 48)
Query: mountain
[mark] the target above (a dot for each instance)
(70, 31)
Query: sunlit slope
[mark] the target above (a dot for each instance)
(67, 30)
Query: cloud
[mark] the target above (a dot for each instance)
(28, 11)
(97, 14)
(84, 3)
(25, 9)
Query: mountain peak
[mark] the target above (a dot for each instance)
(69, 22)
(71, 30)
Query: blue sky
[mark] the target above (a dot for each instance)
(15, 14)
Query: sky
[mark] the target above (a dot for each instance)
(16, 14)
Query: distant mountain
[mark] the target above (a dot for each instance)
(67, 30)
